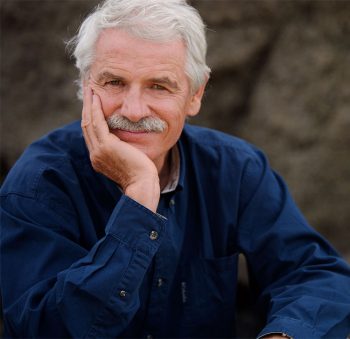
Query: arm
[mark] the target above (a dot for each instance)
(130, 168)
(54, 286)
(302, 283)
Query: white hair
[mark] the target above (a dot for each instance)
(155, 20)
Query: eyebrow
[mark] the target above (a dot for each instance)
(108, 75)
(161, 80)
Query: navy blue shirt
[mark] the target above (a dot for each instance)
(80, 259)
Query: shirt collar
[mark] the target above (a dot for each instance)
(178, 167)
(174, 171)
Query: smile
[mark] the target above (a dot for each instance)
(132, 131)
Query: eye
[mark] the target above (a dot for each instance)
(117, 83)
(158, 87)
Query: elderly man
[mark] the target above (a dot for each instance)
(130, 223)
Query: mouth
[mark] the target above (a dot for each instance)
(132, 136)
(131, 131)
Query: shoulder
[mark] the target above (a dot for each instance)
(232, 165)
(216, 144)
(56, 154)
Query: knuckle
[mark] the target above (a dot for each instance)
(95, 159)
(84, 123)
(94, 125)
(96, 166)
(98, 156)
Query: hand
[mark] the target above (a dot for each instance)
(131, 169)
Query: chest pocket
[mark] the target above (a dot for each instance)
(208, 292)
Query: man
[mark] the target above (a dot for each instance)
(130, 223)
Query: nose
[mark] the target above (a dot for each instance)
(134, 107)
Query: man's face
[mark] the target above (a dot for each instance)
(139, 79)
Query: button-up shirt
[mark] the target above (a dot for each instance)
(81, 259)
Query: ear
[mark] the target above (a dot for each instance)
(196, 101)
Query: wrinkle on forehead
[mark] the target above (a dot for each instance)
(121, 55)
(115, 43)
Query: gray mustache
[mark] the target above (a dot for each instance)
(147, 124)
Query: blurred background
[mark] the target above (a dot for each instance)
(280, 79)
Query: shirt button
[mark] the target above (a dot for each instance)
(153, 235)
(172, 202)
(122, 293)
(160, 282)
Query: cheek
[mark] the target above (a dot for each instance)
(175, 127)
(172, 110)
(109, 102)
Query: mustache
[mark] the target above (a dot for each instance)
(146, 124)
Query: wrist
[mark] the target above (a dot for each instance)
(146, 192)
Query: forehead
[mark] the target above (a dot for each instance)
(119, 49)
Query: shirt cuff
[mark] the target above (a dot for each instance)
(289, 327)
(134, 224)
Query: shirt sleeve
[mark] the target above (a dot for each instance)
(52, 286)
(302, 284)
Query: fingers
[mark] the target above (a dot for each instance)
(87, 101)
(93, 122)
(99, 123)
(86, 124)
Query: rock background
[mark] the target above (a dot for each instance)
(281, 80)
